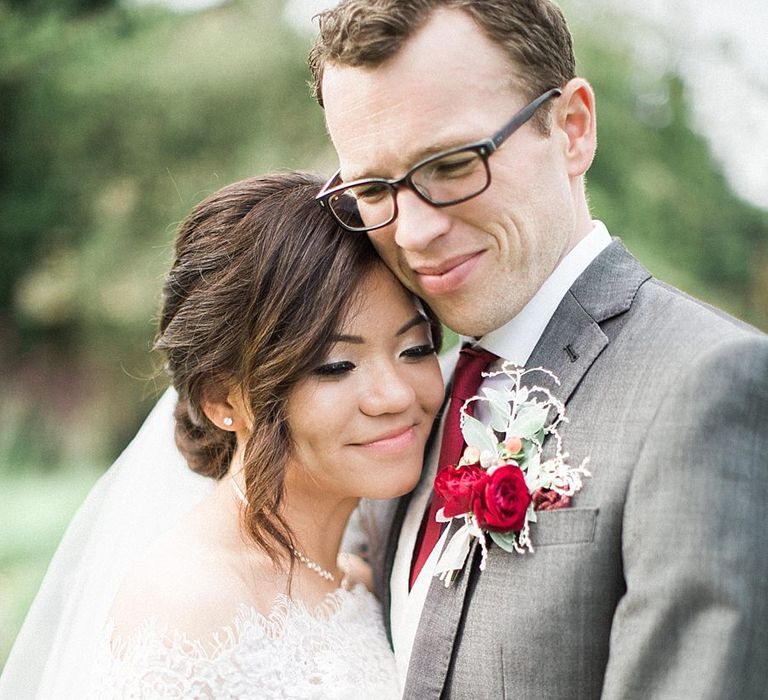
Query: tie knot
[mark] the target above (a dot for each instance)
(468, 375)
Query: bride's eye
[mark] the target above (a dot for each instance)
(334, 369)
(418, 351)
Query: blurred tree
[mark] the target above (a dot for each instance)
(114, 123)
(67, 8)
(658, 186)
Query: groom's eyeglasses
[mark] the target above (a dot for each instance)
(447, 178)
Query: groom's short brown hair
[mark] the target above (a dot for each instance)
(532, 33)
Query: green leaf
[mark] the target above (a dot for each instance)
(498, 420)
(530, 420)
(477, 435)
(532, 467)
(501, 411)
(529, 450)
(505, 540)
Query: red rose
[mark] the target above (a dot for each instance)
(457, 485)
(502, 502)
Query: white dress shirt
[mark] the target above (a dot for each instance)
(515, 342)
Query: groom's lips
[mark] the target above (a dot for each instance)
(446, 276)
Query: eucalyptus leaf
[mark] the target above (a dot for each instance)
(496, 395)
(500, 409)
(530, 420)
(500, 415)
(533, 468)
(530, 449)
(505, 540)
(477, 435)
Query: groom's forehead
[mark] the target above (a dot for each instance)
(391, 116)
(387, 141)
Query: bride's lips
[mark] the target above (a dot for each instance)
(396, 439)
(447, 276)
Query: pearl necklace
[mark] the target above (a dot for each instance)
(303, 558)
(312, 565)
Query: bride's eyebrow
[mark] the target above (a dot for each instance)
(359, 340)
(415, 321)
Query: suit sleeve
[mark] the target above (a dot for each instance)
(693, 622)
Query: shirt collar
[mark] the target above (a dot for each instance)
(516, 339)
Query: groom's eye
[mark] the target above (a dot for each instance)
(334, 369)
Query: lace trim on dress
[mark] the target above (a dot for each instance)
(273, 625)
(336, 649)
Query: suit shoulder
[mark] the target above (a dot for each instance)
(658, 297)
(675, 327)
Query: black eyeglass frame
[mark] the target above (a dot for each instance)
(484, 148)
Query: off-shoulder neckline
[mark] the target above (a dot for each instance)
(247, 618)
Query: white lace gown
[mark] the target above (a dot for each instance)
(338, 650)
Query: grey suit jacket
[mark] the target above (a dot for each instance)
(654, 584)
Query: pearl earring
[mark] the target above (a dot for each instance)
(228, 421)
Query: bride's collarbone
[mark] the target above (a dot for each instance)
(197, 583)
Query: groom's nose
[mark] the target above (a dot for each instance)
(418, 223)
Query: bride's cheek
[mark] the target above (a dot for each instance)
(433, 389)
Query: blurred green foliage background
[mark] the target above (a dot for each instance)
(115, 120)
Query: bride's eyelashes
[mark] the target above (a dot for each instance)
(343, 367)
(334, 369)
(418, 351)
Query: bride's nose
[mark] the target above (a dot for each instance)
(386, 391)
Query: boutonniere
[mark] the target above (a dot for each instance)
(501, 480)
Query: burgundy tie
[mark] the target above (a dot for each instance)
(466, 381)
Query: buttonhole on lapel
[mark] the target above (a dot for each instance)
(572, 355)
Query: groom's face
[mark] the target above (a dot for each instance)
(477, 263)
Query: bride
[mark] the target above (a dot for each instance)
(306, 378)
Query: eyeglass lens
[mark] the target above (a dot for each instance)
(446, 179)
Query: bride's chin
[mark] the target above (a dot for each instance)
(405, 483)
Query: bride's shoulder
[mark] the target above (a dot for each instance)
(184, 584)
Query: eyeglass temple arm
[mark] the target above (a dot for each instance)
(523, 116)
(327, 186)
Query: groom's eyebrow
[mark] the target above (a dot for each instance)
(359, 340)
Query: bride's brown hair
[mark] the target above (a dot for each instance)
(261, 282)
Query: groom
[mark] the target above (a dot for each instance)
(653, 583)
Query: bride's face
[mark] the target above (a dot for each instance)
(360, 422)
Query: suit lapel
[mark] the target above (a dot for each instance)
(437, 630)
(574, 339)
(570, 344)
(568, 347)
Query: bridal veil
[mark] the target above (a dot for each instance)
(141, 496)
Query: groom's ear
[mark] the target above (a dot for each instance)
(575, 116)
(225, 407)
